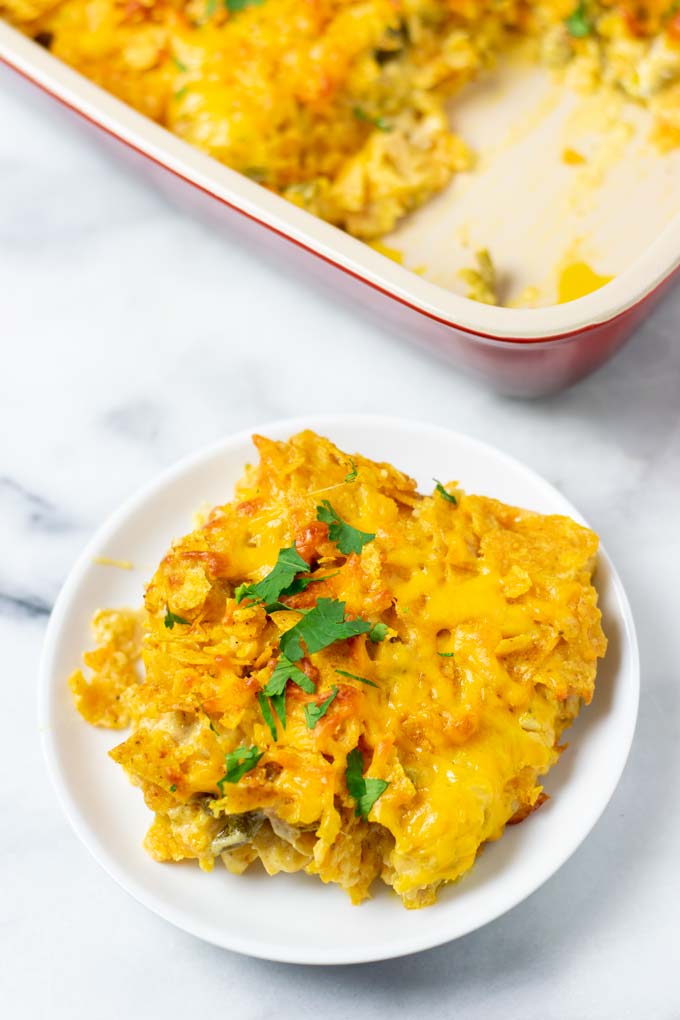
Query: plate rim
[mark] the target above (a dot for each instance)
(258, 948)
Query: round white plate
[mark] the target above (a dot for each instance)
(295, 918)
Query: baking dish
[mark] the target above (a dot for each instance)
(520, 351)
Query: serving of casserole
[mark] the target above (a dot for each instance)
(346, 677)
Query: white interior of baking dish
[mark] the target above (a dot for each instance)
(619, 212)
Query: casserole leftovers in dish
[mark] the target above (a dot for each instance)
(338, 105)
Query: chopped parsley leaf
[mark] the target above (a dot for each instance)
(238, 762)
(172, 618)
(294, 588)
(446, 655)
(353, 676)
(352, 476)
(278, 701)
(179, 65)
(579, 25)
(364, 791)
(284, 671)
(320, 627)
(379, 122)
(173, 788)
(314, 712)
(181, 93)
(378, 632)
(348, 539)
(443, 493)
(267, 714)
(210, 8)
(288, 564)
(275, 690)
(234, 6)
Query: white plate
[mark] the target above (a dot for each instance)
(294, 918)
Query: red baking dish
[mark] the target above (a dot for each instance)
(516, 207)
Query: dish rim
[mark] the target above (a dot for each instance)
(175, 915)
(487, 324)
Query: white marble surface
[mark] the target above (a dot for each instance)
(130, 336)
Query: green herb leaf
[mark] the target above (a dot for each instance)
(284, 671)
(378, 632)
(173, 788)
(267, 714)
(172, 618)
(348, 539)
(210, 8)
(288, 564)
(443, 493)
(353, 676)
(179, 65)
(256, 173)
(238, 762)
(579, 25)
(298, 585)
(278, 701)
(352, 476)
(320, 627)
(314, 712)
(181, 93)
(364, 791)
(234, 6)
(446, 655)
(379, 122)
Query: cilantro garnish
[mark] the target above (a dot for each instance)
(443, 493)
(379, 122)
(238, 762)
(284, 671)
(314, 712)
(446, 655)
(348, 539)
(353, 676)
(364, 791)
(579, 25)
(275, 690)
(352, 476)
(279, 703)
(288, 564)
(234, 6)
(320, 627)
(378, 632)
(172, 618)
(267, 714)
(173, 788)
(294, 588)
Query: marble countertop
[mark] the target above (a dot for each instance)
(133, 334)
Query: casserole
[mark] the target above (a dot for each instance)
(285, 649)
(521, 351)
(253, 915)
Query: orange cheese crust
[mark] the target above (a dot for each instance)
(492, 645)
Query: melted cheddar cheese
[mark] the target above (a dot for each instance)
(490, 643)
